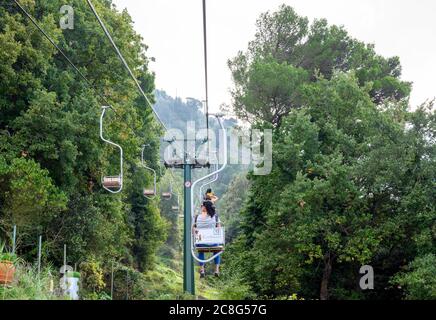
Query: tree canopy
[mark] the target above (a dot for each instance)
(353, 173)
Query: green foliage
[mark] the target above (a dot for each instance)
(353, 170)
(92, 278)
(418, 281)
(288, 52)
(231, 204)
(51, 156)
(29, 195)
(6, 256)
(28, 285)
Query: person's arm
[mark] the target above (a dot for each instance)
(214, 198)
(218, 222)
(194, 225)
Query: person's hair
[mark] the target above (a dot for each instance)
(210, 208)
(209, 190)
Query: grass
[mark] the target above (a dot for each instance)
(165, 282)
(29, 286)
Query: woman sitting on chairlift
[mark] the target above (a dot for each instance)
(206, 220)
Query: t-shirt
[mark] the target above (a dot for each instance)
(207, 222)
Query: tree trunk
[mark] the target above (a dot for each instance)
(324, 292)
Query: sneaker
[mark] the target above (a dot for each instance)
(202, 274)
(216, 274)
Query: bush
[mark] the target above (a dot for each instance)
(92, 279)
(29, 286)
(419, 281)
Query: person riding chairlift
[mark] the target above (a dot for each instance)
(210, 196)
(206, 220)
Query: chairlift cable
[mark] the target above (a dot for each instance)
(108, 35)
(206, 66)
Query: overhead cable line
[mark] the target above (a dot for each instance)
(205, 65)
(117, 50)
(104, 99)
(108, 35)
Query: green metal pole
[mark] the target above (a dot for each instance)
(188, 264)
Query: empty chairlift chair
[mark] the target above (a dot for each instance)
(167, 195)
(149, 193)
(113, 184)
(176, 208)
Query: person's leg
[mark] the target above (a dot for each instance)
(217, 262)
(201, 257)
(202, 272)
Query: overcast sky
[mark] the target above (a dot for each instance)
(173, 31)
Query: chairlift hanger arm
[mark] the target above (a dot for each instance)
(214, 179)
(117, 50)
(115, 145)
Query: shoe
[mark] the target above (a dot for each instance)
(216, 274)
(202, 274)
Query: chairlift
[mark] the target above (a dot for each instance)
(113, 184)
(209, 239)
(176, 208)
(167, 195)
(149, 193)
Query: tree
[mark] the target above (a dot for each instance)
(288, 52)
(52, 156)
(350, 183)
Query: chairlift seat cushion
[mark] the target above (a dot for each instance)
(112, 182)
(148, 192)
(210, 249)
(166, 195)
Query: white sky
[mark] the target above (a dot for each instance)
(173, 31)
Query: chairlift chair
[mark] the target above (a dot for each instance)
(149, 193)
(167, 195)
(213, 239)
(113, 184)
(176, 208)
(210, 239)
